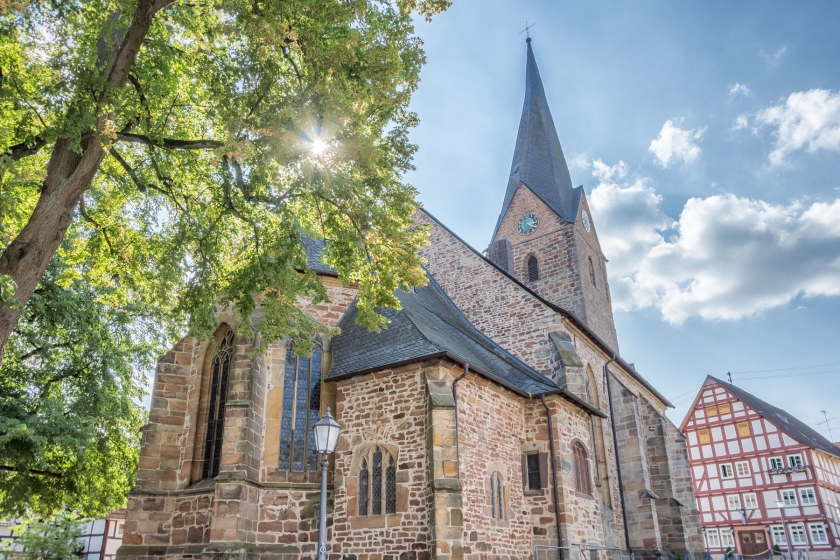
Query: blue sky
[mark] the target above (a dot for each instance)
(707, 138)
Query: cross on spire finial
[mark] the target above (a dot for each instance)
(526, 32)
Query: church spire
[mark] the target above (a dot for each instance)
(538, 159)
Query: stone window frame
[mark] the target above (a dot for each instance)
(497, 497)
(217, 371)
(592, 272)
(533, 273)
(581, 469)
(308, 466)
(389, 487)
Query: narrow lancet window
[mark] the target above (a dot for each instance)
(533, 269)
(364, 475)
(497, 506)
(374, 488)
(216, 411)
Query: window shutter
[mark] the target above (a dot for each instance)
(524, 462)
(543, 470)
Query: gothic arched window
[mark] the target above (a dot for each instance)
(533, 269)
(592, 272)
(580, 460)
(497, 500)
(216, 411)
(371, 488)
(301, 409)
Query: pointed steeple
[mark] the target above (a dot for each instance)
(538, 159)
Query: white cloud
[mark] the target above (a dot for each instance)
(579, 161)
(674, 143)
(726, 257)
(738, 88)
(604, 172)
(772, 59)
(807, 119)
(741, 122)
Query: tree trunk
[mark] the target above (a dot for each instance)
(69, 174)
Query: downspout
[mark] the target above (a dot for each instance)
(554, 477)
(457, 430)
(617, 461)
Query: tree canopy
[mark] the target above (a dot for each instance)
(162, 158)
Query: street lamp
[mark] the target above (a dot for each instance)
(326, 435)
(781, 505)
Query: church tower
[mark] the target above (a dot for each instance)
(545, 235)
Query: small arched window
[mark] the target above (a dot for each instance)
(533, 269)
(373, 488)
(497, 500)
(583, 481)
(592, 272)
(301, 409)
(216, 411)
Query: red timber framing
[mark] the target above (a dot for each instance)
(743, 460)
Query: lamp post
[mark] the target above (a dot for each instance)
(326, 435)
(781, 505)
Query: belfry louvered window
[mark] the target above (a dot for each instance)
(592, 272)
(497, 500)
(533, 269)
(374, 489)
(301, 409)
(216, 411)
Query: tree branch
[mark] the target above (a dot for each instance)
(22, 150)
(95, 224)
(169, 143)
(32, 471)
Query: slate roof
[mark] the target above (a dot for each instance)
(538, 159)
(429, 325)
(314, 249)
(783, 420)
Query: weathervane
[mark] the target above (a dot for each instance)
(526, 32)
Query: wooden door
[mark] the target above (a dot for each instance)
(753, 543)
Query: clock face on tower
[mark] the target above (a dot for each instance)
(528, 224)
(584, 217)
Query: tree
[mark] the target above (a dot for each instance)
(57, 539)
(160, 159)
(197, 141)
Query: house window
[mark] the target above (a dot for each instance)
(583, 480)
(373, 488)
(779, 536)
(712, 538)
(789, 497)
(703, 436)
(733, 502)
(301, 409)
(216, 411)
(776, 463)
(726, 471)
(807, 496)
(533, 269)
(797, 534)
(742, 468)
(711, 411)
(533, 464)
(592, 273)
(727, 539)
(795, 460)
(497, 500)
(743, 429)
(818, 534)
(724, 408)
(750, 501)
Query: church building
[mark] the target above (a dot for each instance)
(493, 419)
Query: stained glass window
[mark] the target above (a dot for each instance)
(216, 411)
(371, 490)
(364, 474)
(583, 480)
(301, 409)
(391, 487)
